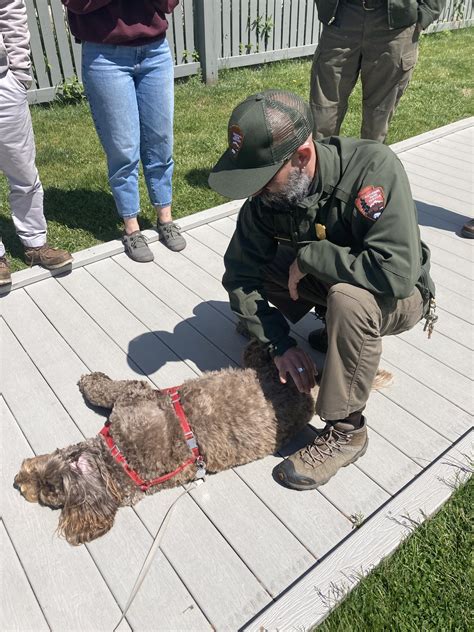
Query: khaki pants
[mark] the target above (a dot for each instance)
(360, 42)
(356, 320)
(17, 161)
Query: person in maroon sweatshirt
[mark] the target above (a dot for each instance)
(128, 76)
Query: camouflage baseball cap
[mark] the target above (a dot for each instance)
(263, 133)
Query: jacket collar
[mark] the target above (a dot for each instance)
(328, 173)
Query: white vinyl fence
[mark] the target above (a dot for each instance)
(204, 35)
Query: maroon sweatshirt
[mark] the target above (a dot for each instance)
(126, 22)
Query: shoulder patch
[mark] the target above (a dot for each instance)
(370, 202)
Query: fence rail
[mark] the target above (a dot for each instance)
(204, 36)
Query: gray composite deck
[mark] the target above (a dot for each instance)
(240, 551)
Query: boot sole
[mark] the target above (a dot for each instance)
(302, 488)
(56, 266)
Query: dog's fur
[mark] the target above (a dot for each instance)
(237, 416)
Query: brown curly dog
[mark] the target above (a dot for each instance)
(236, 415)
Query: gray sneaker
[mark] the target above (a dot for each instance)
(170, 235)
(5, 272)
(315, 464)
(137, 248)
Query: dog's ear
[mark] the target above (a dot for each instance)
(91, 500)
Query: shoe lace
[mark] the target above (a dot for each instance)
(39, 254)
(137, 240)
(325, 446)
(171, 230)
(47, 250)
(320, 313)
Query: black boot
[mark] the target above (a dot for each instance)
(318, 339)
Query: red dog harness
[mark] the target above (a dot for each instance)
(188, 435)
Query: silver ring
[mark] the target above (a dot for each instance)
(300, 369)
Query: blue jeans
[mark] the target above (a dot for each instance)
(131, 95)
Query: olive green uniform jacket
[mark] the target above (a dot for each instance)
(401, 13)
(384, 256)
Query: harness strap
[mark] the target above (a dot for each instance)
(173, 392)
(188, 435)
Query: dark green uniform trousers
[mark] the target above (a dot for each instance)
(360, 42)
(356, 321)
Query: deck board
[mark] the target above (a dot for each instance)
(222, 500)
(151, 356)
(312, 519)
(59, 573)
(14, 582)
(162, 321)
(238, 549)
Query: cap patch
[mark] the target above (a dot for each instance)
(236, 140)
(370, 202)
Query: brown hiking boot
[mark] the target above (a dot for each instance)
(47, 257)
(315, 464)
(5, 272)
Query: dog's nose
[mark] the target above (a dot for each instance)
(15, 485)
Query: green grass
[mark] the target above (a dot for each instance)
(425, 586)
(79, 206)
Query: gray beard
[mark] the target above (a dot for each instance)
(295, 191)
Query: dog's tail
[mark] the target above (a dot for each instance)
(382, 379)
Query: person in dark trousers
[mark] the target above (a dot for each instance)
(128, 76)
(330, 224)
(17, 145)
(376, 40)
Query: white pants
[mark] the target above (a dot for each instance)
(17, 161)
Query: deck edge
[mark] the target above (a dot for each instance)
(434, 134)
(28, 276)
(312, 597)
(82, 258)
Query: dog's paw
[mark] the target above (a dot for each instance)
(96, 389)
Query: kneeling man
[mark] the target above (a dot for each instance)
(329, 225)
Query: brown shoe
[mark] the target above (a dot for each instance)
(315, 464)
(468, 229)
(5, 272)
(47, 257)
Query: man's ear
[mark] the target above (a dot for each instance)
(303, 155)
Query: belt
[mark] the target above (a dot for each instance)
(367, 5)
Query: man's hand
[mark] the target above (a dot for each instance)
(298, 364)
(294, 277)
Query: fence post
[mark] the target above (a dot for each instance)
(207, 12)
